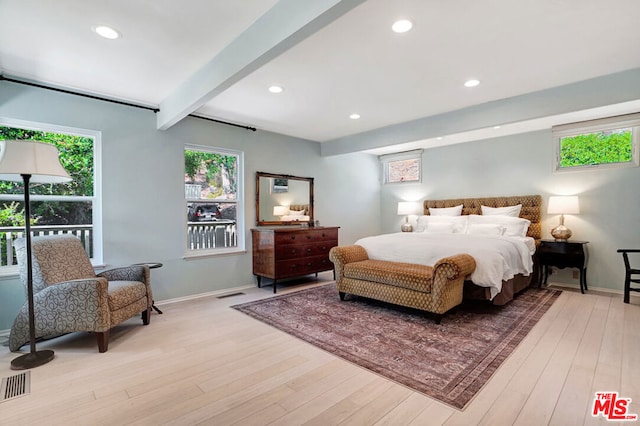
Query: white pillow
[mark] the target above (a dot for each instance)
(446, 211)
(459, 222)
(440, 228)
(485, 229)
(513, 211)
(296, 212)
(514, 226)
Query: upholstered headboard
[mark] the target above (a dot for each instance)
(531, 208)
(299, 207)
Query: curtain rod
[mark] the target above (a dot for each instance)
(253, 129)
(71, 92)
(100, 98)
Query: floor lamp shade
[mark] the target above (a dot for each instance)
(29, 161)
(40, 160)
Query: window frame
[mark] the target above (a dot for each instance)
(240, 223)
(593, 126)
(386, 159)
(95, 199)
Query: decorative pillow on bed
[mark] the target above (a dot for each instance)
(446, 211)
(514, 226)
(513, 211)
(296, 212)
(485, 229)
(459, 222)
(440, 228)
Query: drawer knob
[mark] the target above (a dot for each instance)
(308, 250)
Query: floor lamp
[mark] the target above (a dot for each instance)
(29, 161)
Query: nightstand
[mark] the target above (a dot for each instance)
(563, 254)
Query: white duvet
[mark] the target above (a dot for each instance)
(498, 258)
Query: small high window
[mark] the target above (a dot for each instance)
(402, 167)
(606, 142)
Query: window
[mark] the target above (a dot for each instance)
(606, 142)
(72, 207)
(402, 167)
(213, 197)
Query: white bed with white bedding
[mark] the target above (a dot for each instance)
(498, 258)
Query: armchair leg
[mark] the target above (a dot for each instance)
(103, 341)
(146, 316)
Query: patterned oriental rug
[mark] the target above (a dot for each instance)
(449, 362)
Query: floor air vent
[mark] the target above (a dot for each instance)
(224, 296)
(15, 386)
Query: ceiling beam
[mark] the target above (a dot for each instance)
(583, 95)
(282, 27)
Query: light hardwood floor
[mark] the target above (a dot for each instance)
(202, 362)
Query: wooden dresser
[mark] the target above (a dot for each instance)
(286, 252)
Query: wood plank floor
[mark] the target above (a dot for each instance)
(202, 362)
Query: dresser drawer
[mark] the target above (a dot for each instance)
(308, 235)
(291, 251)
(303, 266)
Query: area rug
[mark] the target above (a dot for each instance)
(449, 362)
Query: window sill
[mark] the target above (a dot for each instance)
(213, 253)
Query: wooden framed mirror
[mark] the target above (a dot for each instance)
(283, 199)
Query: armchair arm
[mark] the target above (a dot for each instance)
(341, 255)
(78, 305)
(131, 273)
(127, 273)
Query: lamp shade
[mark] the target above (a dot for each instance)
(564, 205)
(40, 160)
(280, 210)
(408, 207)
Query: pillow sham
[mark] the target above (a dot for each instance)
(459, 222)
(440, 228)
(296, 212)
(485, 229)
(514, 226)
(446, 211)
(513, 211)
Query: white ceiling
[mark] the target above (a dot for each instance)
(347, 61)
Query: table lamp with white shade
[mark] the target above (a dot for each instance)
(30, 161)
(406, 208)
(280, 211)
(562, 205)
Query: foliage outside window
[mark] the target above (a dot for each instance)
(55, 208)
(402, 167)
(606, 142)
(213, 184)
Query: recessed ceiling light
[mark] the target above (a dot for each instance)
(402, 26)
(471, 83)
(439, 138)
(276, 89)
(496, 127)
(106, 32)
(354, 116)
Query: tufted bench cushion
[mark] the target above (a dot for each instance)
(405, 275)
(435, 289)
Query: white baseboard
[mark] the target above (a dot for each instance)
(216, 293)
(611, 291)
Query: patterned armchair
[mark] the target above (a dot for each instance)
(69, 296)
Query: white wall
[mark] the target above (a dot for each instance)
(143, 188)
(521, 165)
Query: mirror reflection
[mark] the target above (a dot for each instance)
(283, 199)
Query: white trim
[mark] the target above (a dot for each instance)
(96, 198)
(415, 154)
(201, 295)
(592, 126)
(239, 201)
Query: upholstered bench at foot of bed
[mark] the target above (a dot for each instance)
(435, 289)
